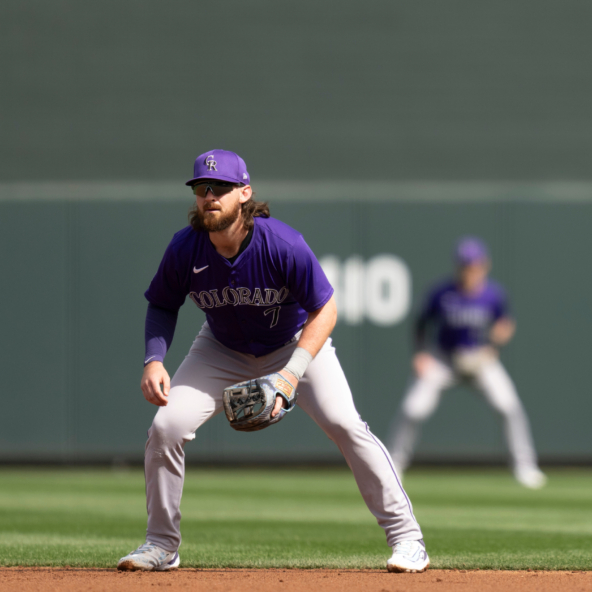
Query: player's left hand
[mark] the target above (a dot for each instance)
(502, 331)
(280, 401)
(248, 405)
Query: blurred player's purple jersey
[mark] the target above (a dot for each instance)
(254, 305)
(463, 320)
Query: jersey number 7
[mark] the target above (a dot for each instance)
(276, 315)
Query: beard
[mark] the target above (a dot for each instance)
(222, 222)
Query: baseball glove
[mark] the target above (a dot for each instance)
(248, 405)
(469, 362)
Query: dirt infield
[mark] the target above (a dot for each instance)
(18, 579)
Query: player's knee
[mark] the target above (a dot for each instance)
(417, 410)
(414, 414)
(164, 432)
(510, 408)
(340, 428)
(506, 403)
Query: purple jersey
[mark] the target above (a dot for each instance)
(463, 320)
(254, 305)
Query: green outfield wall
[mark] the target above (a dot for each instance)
(373, 124)
(74, 271)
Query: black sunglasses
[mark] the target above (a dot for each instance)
(218, 188)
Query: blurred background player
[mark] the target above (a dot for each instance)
(471, 320)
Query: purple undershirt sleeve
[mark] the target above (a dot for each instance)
(501, 308)
(159, 332)
(420, 327)
(420, 333)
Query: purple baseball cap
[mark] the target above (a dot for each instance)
(470, 250)
(220, 164)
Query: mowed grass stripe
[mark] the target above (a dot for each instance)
(296, 518)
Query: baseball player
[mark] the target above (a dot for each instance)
(472, 321)
(269, 315)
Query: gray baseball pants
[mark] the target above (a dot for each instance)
(423, 397)
(323, 393)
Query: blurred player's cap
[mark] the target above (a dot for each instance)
(469, 250)
(220, 164)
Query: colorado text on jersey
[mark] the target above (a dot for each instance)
(239, 297)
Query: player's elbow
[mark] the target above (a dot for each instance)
(325, 317)
(511, 328)
(330, 309)
(503, 331)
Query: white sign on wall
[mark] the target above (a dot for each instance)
(377, 290)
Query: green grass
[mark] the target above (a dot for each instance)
(297, 518)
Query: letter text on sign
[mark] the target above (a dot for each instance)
(377, 290)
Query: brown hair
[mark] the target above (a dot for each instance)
(249, 210)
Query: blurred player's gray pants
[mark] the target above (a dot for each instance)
(423, 397)
(323, 393)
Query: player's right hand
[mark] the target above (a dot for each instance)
(155, 377)
(422, 362)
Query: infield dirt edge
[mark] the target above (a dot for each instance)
(73, 579)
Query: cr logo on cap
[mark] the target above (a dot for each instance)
(211, 163)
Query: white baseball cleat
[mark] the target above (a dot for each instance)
(408, 557)
(149, 557)
(531, 477)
